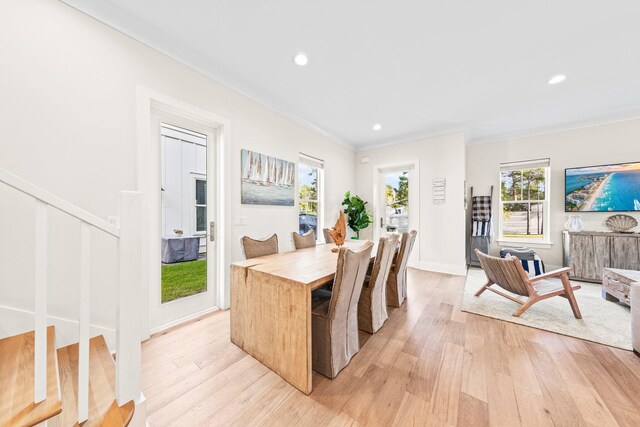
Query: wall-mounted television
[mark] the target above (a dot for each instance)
(607, 188)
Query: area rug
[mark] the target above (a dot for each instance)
(602, 321)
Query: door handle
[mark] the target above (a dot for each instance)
(381, 224)
(212, 231)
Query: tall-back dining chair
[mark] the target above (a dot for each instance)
(254, 248)
(334, 324)
(372, 307)
(303, 241)
(327, 237)
(509, 274)
(397, 281)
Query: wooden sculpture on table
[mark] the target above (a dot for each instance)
(339, 232)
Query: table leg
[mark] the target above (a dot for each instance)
(271, 321)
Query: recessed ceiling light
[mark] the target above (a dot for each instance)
(557, 79)
(377, 127)
(301, 59)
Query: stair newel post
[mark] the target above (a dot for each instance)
(84, 322)
(128, 333)
(40, 309)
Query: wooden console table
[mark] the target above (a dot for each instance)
(588, 253)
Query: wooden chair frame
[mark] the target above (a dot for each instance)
(513, 271)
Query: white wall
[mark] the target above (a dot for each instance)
(441, 229)
(68, 124)
(588, 146)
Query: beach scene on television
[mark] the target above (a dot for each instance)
(610, 188)
(267, 180)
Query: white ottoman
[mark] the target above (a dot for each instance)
(634, 296)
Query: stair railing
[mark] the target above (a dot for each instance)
(128, 361)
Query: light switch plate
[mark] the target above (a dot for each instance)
(113, 220)
(241, 220)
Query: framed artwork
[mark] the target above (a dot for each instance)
(267, 180)
(608, 188)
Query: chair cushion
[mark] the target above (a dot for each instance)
(257, 248)
(321, 293)
(530, 260)
(546, 286)
(306, 240)
(320, 307)
(320, 299)
(367, 281)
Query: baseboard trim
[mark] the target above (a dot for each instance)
(184, 319)
(456, 270)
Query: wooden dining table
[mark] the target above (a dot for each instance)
(271, 307)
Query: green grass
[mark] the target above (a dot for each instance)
(183, 279)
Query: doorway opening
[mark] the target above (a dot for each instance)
(397, 203)
(156, 110)
(185, 278)
(396, 212)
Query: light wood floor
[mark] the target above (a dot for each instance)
(430, 365)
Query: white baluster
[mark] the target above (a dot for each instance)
(85, 322)
(40, 273)
(129, 287)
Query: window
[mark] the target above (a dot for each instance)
(201, 205)
(524, 201)
(310, 174)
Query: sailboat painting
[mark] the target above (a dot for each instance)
(267, 180)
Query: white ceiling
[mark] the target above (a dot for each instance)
(417, 67)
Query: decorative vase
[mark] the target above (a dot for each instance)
(574, 223)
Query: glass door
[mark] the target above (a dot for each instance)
(187, 232)
(395, 217)
(397, 205)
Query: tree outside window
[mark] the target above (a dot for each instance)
(309, 204)
(397, 201)
(523, 197)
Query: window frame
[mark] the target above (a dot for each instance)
(197, 232)
(545, 241)
(317, 164)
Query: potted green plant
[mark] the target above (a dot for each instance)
(359, 217)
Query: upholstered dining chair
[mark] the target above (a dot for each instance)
(254, 248)
(334, 323)
(508, 274)
(372, 306)
(327, 237)
(397, 281)
(303, 241)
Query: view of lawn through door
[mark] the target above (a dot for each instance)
(184, 213)
(396, 215)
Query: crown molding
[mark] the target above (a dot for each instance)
(413, 137)
(606, 119)
(114, 17)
